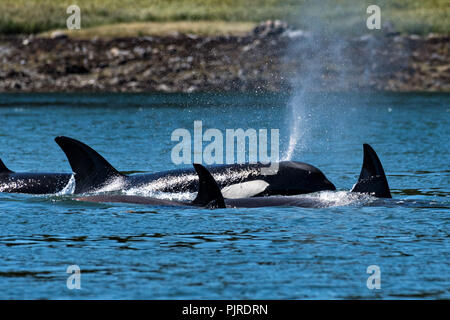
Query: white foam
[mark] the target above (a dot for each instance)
(340, 198)
(115, 184)
(11, 185)
(69, 188)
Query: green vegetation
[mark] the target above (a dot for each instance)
(141, 29)
(409, 16)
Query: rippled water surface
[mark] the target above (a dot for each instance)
(134, 251)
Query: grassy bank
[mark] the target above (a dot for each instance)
(408, 16)
(132, 29)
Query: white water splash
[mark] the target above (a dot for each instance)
(69, 188)
(339, 198)
(10, 185)
(295, 134)
(115, 184)
(322, 63)
(300, 104)
(172, 196)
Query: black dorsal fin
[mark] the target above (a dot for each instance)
(91, 170)
(3, 168)
(209, 193)
(372, 178)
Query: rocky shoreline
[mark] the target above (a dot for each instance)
(261, 61)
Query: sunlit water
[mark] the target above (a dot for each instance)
(134, 251)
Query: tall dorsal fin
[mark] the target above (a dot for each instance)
(208, 191)
(3, 168)
(372, 178)
(91, 170)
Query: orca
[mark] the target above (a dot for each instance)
(94, 173)
(372, 180)
(30, 182)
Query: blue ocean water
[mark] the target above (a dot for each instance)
(139, 252)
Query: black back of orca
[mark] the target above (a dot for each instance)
(372, 180)
(92, 172)
(34, 183)
(209, 193)
(31, 182)
(209, 196)
(291, 178)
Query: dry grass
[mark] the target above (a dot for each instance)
(132, 29)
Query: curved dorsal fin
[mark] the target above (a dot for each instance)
(208, 191)
(91, 170)
(3, 168)
(372, 178)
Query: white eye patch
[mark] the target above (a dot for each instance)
(245, 189)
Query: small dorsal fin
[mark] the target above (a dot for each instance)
(372, 178)
(208, 191)
(3, 168)
(91, 170)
